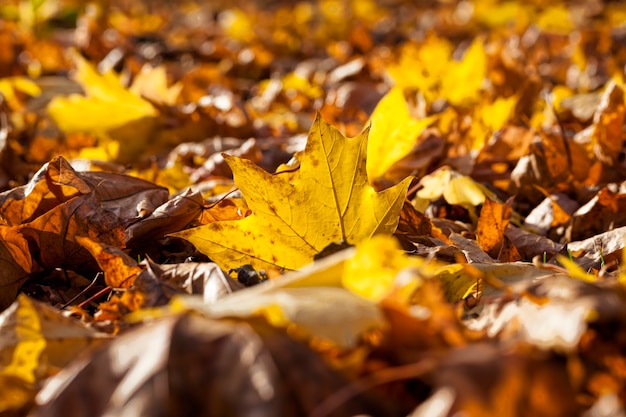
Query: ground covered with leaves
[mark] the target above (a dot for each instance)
(322, 208)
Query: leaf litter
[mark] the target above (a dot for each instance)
(323, 208)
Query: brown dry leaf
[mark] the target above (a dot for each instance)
(470, 249)
(493, 220)
(205, 279)
(552, 163)
(414, 227)
(246, 366)
(606, 210)
(53, 235)
(57, 182)
(170, 217)
(554, 211)
(426, 154)
(554, 312)
(16, 261)
(54, 183)
(530, 244)
(496, 159)
(602, 249)
(156, 285)
(607, 136)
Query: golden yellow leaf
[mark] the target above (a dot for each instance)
(151, 82)
(463, 80)
(299, 301)
(373, 271)
(295, 216)
(107, 105)
(237, 25)
(453, 187)
(422, 66)
(295, 82)
(498, 14)
(574, 270)
(489, 118)
(393, 133)
(430, 68)
(36, 342)
(556, 19)
(10, 85)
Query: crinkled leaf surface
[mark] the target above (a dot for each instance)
(296, 216)
(16, 263)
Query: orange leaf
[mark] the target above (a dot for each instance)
(494, 217)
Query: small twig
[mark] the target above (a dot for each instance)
(233, 190)
(98, 275)
(97, 295)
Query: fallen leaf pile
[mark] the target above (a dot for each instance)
(321, 208)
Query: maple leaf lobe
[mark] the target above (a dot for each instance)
(294, 217)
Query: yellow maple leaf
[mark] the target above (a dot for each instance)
(463, 80)
(295, 216)
(430, 68)
(393, 133)
(422, 66)
(108, 111)
(107, 104)
(490, 117)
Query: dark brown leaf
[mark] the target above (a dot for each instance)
(189, 366)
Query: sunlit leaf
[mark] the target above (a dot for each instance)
(453, 187)
(329, 201)
(152, 84)
(119, 269)
(303, 307)
(393, 133)
(37, 341)
(373, 270)
(574, 270)
(463, 79)
(107, 103)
